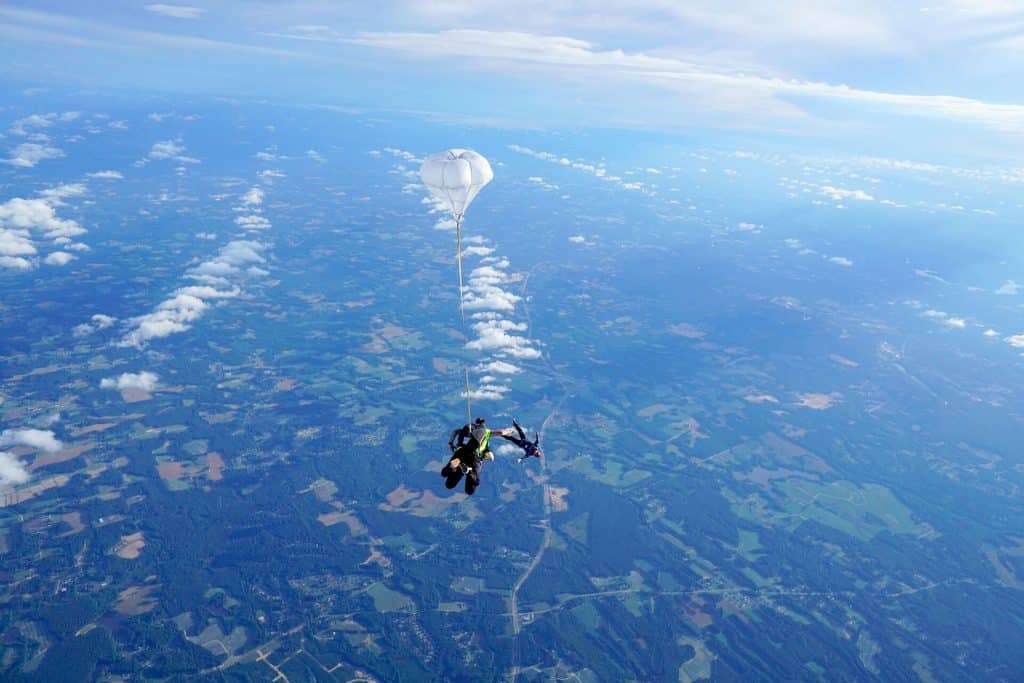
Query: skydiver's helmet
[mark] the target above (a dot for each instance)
(479, 430)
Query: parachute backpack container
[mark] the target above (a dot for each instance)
(454, 178)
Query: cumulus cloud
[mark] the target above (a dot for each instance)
(252, 222)
(840, 194)
(253, 197)
(170, 149)
(484, 392)
(840, 261)
(12, 470)
(1016, 341)
(1009, 288)
(143, 381)
(106, 175)
(16, 263)
(315, 156)
(945, 318)
(28, 154)
(97, 322)
(499, 367)
(187, 304)
(496, 336)
(39, 439)
(26, 124)
(483, 292)
(20, 218)
(58, 258)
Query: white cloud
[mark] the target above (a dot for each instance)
(28, 154)
(24, 125)
(253, 197)
(708, 82)
(1009, 288)
(499, 367)
(750, 227)
(170, 149)
(187, 304)
(106, 175)
(477, 251)
(98, 322)
(16, 263)
(1016, 341)
(578, 239)
(57, 195)
(58, 258)
(12, 470)
(43, 440)
(489, 298)
(840, 194)
(840, 261)
(143, 381)
(495, 335)
(20, 217)
(958, 323)
(252, 222)
(176, 11)
(492, 392)
(444, 224)
(15, 243)
(991, 333)
(315, 156)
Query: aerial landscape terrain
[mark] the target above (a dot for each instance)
(779, 389)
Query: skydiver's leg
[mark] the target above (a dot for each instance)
(452, 472)
(453, 480)
(472, 480)
(522, 435)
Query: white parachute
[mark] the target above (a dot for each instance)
(455, 177)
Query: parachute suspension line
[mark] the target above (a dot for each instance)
(462, 308)
(469, 414)
(458, 257)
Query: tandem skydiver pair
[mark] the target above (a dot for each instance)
(470, 447)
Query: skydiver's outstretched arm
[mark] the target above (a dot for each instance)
(459, 432)
(508, 435)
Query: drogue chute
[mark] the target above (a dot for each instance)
(455, 177)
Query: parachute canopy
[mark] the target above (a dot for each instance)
(455, 177)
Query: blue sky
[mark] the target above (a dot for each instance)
(936, 80)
